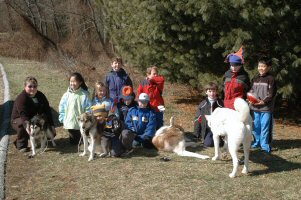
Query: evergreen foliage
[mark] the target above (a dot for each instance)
(189, 39)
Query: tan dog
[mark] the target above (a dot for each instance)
(88, 128)
(171, 138)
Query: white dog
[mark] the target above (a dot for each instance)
(236, 126)
(171, 138)
(39, 129)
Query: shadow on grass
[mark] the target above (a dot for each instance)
(287, 144)
(273, 163)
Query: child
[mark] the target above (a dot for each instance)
(153, 86)
(73, 103)
(127, 102)
(140, 125)
(236, 79)
(116, 79)
(263, 86)
(111, 127)
(206, 107)
(101, 96)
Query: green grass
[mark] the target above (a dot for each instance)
(59, 173)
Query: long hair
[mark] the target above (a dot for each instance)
(79, 78)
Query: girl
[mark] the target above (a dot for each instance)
(73, 103)
(101, 96)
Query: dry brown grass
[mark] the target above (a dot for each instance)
(59, 173)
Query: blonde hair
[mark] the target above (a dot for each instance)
(149, 69)
(97, 87)
(30, 79)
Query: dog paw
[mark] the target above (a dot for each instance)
(244, 171)
(206, 157)
(82, 154)
(102, 155)
(90, 159)
(53, 144)
(232, 175)
(215, 158)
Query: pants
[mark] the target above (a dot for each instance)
(22, 135)
(74, 136)
(263, 127)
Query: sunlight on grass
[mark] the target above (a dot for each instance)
(59, 173)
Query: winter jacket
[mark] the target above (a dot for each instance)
(265, 88)
(72, 104)
(154, 88)
(25, 107)
(142, 121)
(123, 109)
(115, 80)
(235, 85)
(200, 123)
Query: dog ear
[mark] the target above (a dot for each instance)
(42, 121)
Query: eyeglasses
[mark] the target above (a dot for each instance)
(32, 86)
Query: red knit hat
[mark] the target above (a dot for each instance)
(127, 93)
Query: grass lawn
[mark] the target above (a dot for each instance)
(59, 173)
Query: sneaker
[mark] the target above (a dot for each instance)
(23, 150)
(136, 144)
(127, 153)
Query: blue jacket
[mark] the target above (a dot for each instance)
(115, 82)
(142, 121)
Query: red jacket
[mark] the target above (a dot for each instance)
(235, 85)
(154, 88)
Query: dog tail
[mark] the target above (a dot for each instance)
(172, 121)
(242, 107)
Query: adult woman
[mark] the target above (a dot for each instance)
(27, 104)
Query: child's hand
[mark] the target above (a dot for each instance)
(259, 103)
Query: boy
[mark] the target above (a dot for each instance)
(236, 79)
(140, 125)
(153, 85)
(263, 85)
(116, 79)
(127, 102)
(206, 107)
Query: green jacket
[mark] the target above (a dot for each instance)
(72, 104)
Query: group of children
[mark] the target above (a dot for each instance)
(140, 117)
(236, 84)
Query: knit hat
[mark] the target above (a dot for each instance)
(99, 110)
(127, 93)
(143, 97)
(236, 58)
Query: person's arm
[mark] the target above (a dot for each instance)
(151, 126)
(22, 107)
(63, 107)
(47, 109)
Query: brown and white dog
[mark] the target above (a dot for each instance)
(171, 138)
(39, 129)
